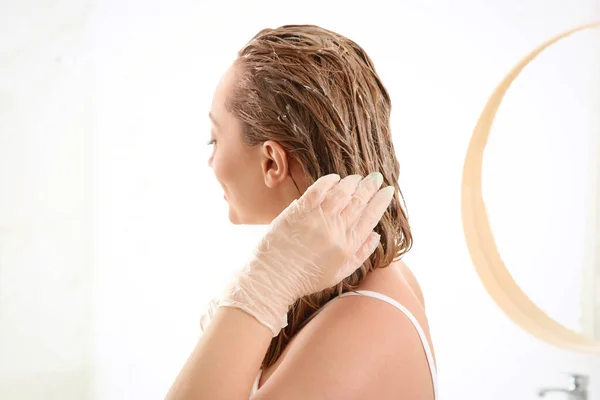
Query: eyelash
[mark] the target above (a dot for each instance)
(211, 142)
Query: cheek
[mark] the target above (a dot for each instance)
(215, 165)
(241, 179)
(227, 169)
(219, 159)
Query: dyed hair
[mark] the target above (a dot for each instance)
(317, 94)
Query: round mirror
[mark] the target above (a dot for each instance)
(531, 192)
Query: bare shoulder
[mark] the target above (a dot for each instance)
(356, 348)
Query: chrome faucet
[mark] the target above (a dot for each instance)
(577, 390)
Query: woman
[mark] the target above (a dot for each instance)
(301, 102)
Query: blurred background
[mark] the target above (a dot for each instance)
(114, 234)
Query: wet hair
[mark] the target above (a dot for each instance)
(317, 94)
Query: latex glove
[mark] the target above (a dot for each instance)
(316, 242)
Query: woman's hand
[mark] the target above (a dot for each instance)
(315, 243)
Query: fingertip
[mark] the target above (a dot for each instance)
(329, 178)
(389, 191)
(375, 240)
(316, 192)
(376, 178)
(376, 237)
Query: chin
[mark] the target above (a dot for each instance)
(234, 217)
(237, 219)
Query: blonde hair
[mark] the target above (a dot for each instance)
(317, 94)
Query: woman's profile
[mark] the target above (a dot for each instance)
(299, 104)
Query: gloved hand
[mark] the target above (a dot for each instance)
(316, 242)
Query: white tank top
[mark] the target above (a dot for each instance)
(409, 315)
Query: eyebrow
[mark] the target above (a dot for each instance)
(213, 120)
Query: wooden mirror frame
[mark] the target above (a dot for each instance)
(478, 234)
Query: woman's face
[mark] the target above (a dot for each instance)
(255, 180)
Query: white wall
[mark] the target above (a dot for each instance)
(162, 246)
(46, 121)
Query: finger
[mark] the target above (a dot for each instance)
(316, 192)
(374, 211)
(339, 197)
(359, 258)
(361, 197)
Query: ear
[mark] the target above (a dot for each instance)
(274, 164)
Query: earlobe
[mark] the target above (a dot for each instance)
(275, 164)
